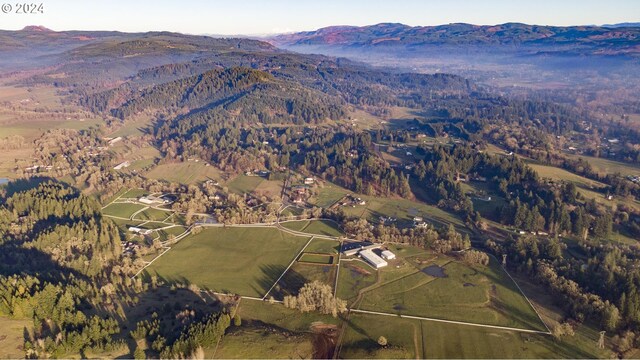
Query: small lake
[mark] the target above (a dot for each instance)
(435, 271)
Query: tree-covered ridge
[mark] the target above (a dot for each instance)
(62, 223)
(235, 94)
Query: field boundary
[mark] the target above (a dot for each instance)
(288, 267)
(451, 321)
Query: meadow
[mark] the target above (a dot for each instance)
(245, 261)
(184, 172)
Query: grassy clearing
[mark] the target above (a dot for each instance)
(316, 259)
(478, 294)
(316, 227)
(153, 214)
(278, 315)
(329, 194)
(184, 172)
(263, 343)
(122, 209)
(353, 277)
(244, 184)
(245, 261)
(362, 332)
(586, 187)
(12, 337)
(323, 246)
(442, 340)
(404, 210)
(606, 166)
(300, 274)
(134, 193)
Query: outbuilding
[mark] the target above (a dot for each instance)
(373, 259)
(388, 255)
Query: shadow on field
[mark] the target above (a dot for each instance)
(290, 283)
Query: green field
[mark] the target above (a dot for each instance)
(153, 214)
(404, 211)
(586, 187)
(244, 184)
(329, 194)
(316, 227)
(134, 194)
(184, 172)
(316, 259)
(606, 166)
(362, 332)
(300, 274)
(245, 261)
(263, 343)
(353, 277)
(122, 210)
(477, 294)
(323, 246)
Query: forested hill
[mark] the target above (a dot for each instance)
(586, 40)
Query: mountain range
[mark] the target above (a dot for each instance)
(584, 40)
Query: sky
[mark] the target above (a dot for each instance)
(254, 17)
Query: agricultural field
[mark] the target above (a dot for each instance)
(123, 210)
(323, 246)
(354, 276)
(240, 343)
(585, 186)
(315, 227)
(184, 173)
(404, 211)
(301, 273)
(360, 340)
(245, 261)
(320, 259)
(606, 166)
(153, 214)
(328, 194)
(451, 290)
(244, 184)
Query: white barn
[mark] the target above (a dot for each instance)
(388, 255)
(373, 259)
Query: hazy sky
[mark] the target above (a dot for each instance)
(262, 17)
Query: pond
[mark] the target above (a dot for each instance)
(435, 271)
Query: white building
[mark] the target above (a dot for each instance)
(309, 181)
(373, 259)
(140, 231)
(388, 255)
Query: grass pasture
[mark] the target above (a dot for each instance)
(244, 184)
(245, 261)
(477, 294)
(184, 172)
(315, 227)
(606, 166)
(362, 332)
(323, 246)
(241, 344)
(320, 259)
(353, 277)
(123, 210)
(301, 273)
(153, 214)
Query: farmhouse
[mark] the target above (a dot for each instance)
(373, 259)
(309, 181)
